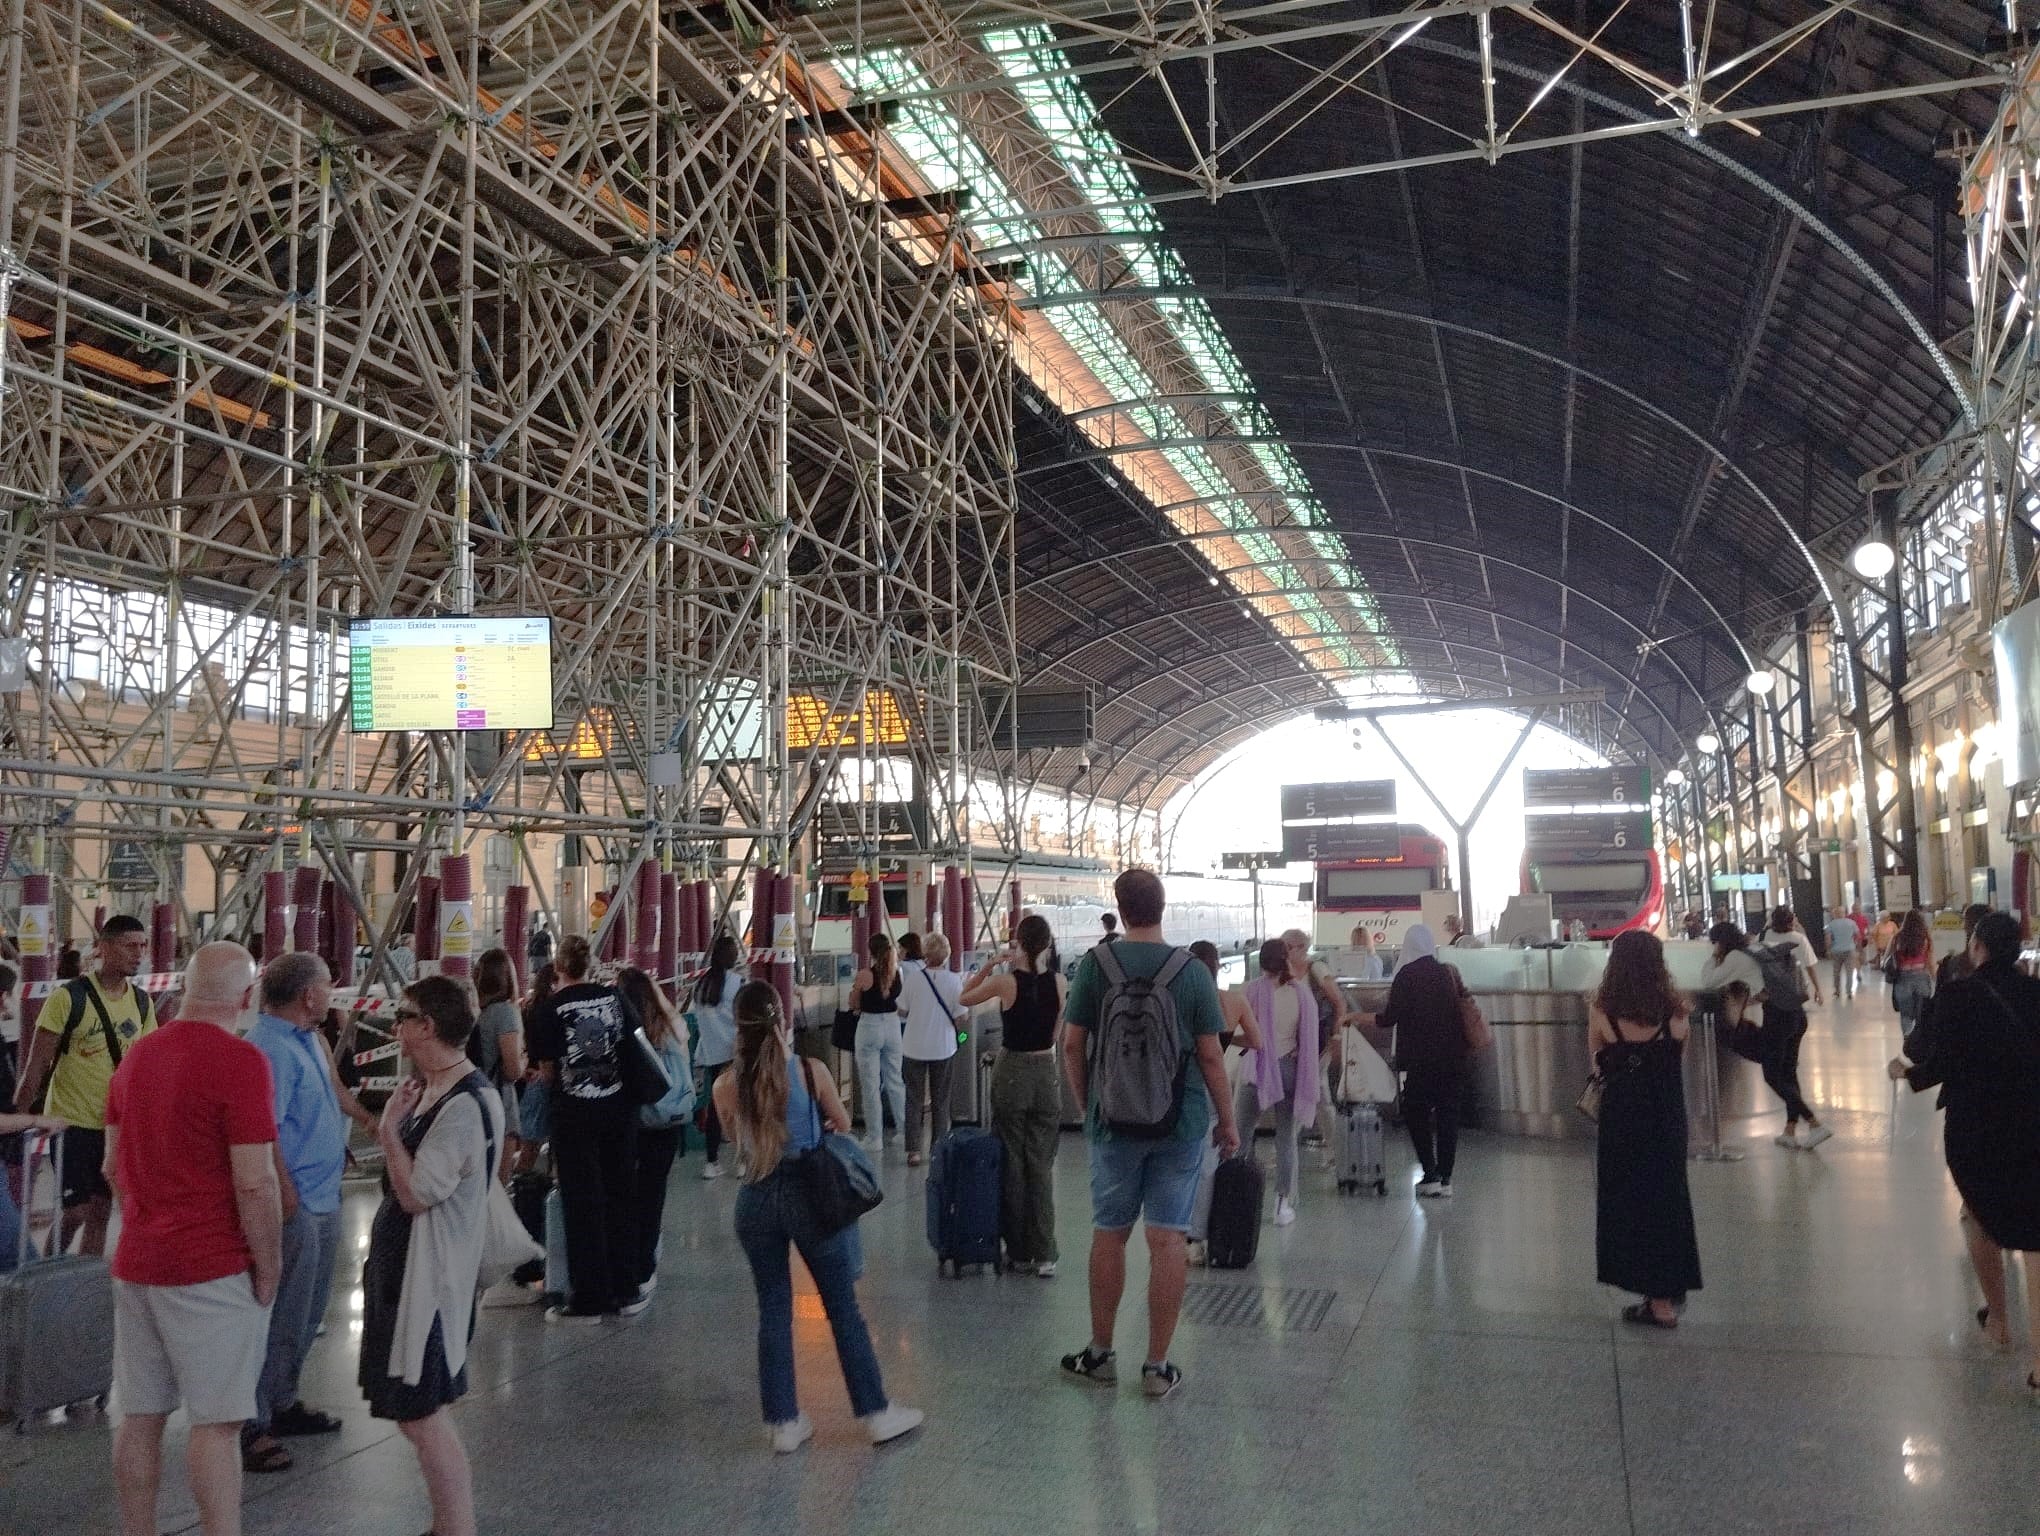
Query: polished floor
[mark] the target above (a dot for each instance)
(1464, 1375)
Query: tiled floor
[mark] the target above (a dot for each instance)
(1468, 1376)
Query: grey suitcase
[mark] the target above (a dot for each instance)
(56, 1320)
(1359, 1149)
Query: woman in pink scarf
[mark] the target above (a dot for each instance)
(1283, 1074)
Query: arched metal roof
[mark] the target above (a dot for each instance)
(1589, 416)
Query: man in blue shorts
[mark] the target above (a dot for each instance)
(1145, 1176)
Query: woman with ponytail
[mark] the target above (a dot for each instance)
(1026, 1088)
(776, 1111)
(881, 1056)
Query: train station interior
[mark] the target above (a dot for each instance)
(686, 494)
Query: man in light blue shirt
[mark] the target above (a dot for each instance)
(311, 1149)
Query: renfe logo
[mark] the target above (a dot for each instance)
(1335, 929)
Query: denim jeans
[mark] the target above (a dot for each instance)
(772, 1214)
(880, 1063)
(311, 1246)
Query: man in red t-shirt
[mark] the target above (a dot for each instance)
(190, 1152)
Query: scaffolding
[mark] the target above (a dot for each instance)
(619, 316)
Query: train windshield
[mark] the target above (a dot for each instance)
(1397, 880)
(1630, 878)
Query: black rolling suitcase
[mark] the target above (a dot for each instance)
(1234, 1229)
(527, 1197)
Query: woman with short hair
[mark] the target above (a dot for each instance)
(440, 1133)
(931, 999)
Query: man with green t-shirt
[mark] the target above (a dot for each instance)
(1150, 1174)
(84, 1029)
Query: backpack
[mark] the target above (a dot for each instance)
(1780, 965)
(1137, 1058)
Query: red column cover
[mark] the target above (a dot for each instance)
(425, 919)
(704, 918)
(953, 913)
(669, 931)
(761, 921)
(275, 913)
(644, 926)
(341, 957)
(162, 937)
(783, 929)
(38, 949)
(454, 915)
(304, 895)
(516, 929)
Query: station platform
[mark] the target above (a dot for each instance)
(1385, 1366)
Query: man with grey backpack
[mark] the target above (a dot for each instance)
(1142, 1053)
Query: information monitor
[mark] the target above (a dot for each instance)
(451, 674)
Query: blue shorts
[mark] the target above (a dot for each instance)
(534, 1111)
(1151, 1180)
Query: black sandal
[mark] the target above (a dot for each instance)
(258, 1458)
(1642, 1316)
(1983, 1318)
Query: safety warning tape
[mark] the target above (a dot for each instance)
(377, 1084)
(363, 1058)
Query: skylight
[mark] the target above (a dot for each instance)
(1303, 581)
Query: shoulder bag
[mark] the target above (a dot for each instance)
(637, 1063)
(1480, 1035)
(1745, 1036)
(840, 1182)
(506, 1246)
(843, 1029)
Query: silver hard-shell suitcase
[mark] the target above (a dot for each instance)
(56, 1317)
(1359, 1149)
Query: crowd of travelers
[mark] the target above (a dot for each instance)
(222, 1135)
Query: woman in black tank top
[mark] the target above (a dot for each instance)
(1026, 1089)
(881, 1060)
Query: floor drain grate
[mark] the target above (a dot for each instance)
(1297, 1310)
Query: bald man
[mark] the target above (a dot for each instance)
(190, 1153)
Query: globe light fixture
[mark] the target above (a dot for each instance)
(1708, 743)
(1873, 559)
(1675, 778)
(1760, 681)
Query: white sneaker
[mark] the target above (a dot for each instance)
(790, 1436)
(1814, 1137)
(1788, 1140)
(1429, 1189)
(1045, 1270)
(1285, 1213)
(892, 1421)
(711, 1171)
(1444, 1189)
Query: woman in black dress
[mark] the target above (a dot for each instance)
(1981, 1043)
(1643, 1230)
(441, 1134)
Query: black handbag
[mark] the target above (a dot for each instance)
(645, 1080)
(843, 1030)
(840, 1182)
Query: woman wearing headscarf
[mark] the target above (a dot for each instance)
(1430, 1047)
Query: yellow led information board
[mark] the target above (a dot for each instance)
(451, 674)
(812, 722)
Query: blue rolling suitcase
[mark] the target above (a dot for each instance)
(963, 1200)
